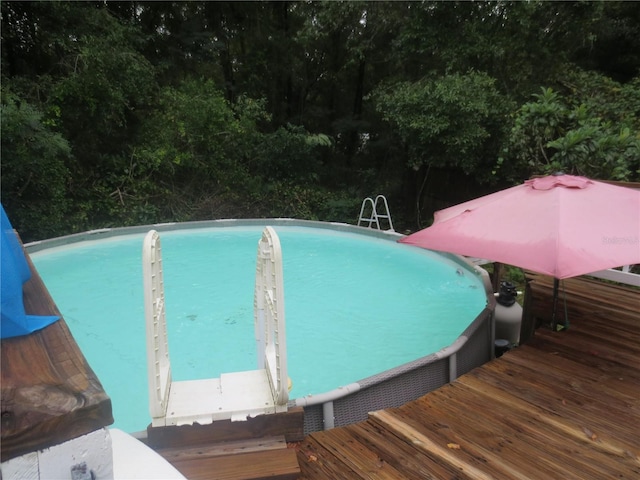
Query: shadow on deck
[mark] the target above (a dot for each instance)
(564, 405)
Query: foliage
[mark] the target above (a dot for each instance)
(137, 112)
(197, 139)
(591, 128)
(611, 42)
(446, 121)
(103, 87)
(34, 174)
(519, 44)
(80, 67)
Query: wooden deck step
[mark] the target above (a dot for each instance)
(253, 459)
(224, 450)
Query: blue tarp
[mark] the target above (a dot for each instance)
(15, 271)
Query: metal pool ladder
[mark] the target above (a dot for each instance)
(234, 396)
(374, 217)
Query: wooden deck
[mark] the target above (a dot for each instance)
(564, 405)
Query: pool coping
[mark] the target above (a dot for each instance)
(38, 245)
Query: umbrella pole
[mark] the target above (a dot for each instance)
(556, 284)
(554, 323)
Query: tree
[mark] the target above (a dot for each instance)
(34, 172)
(452, 121)
(79, 66)
(188, 110)
(217, 153)
(589, 128)
(519, 44)
(612, 45)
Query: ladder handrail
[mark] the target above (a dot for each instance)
(158, 364)
(375, 216)
(269, 314)
(372, 218)
(265, 390)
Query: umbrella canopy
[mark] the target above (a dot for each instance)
(560, 225)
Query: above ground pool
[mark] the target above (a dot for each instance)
(356, 304)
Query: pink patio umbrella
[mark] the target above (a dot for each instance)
(560, 225)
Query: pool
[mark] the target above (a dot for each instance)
(363, 312)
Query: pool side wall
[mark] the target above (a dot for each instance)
(392, 388)
(400, 385)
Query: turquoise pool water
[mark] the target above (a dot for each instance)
(355, 306)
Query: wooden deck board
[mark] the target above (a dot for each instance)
(527, 437)
(590, 411)
(569, 426)
(357, 457)
(318, 462)
(447, 445)
(243, 466)
(617, 386)
(402, 456)
(500, 435)
(237, 447)
(565, 405)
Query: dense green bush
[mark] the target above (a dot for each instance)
(34, 171)
(591, 127)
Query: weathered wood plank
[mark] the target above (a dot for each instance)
(590, 360)
(222, 449)
(490, 442)
(596, 346)
(587, 301)
(527, 432)
(407, 460)
(357, 457)
(502, 399)
(594, 300)
(615, 386)
(290, 424)
(587, 410)
(466, 464)
(318, 463)
(281, 464)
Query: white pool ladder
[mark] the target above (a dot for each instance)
(234, 396)
(374, 217)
